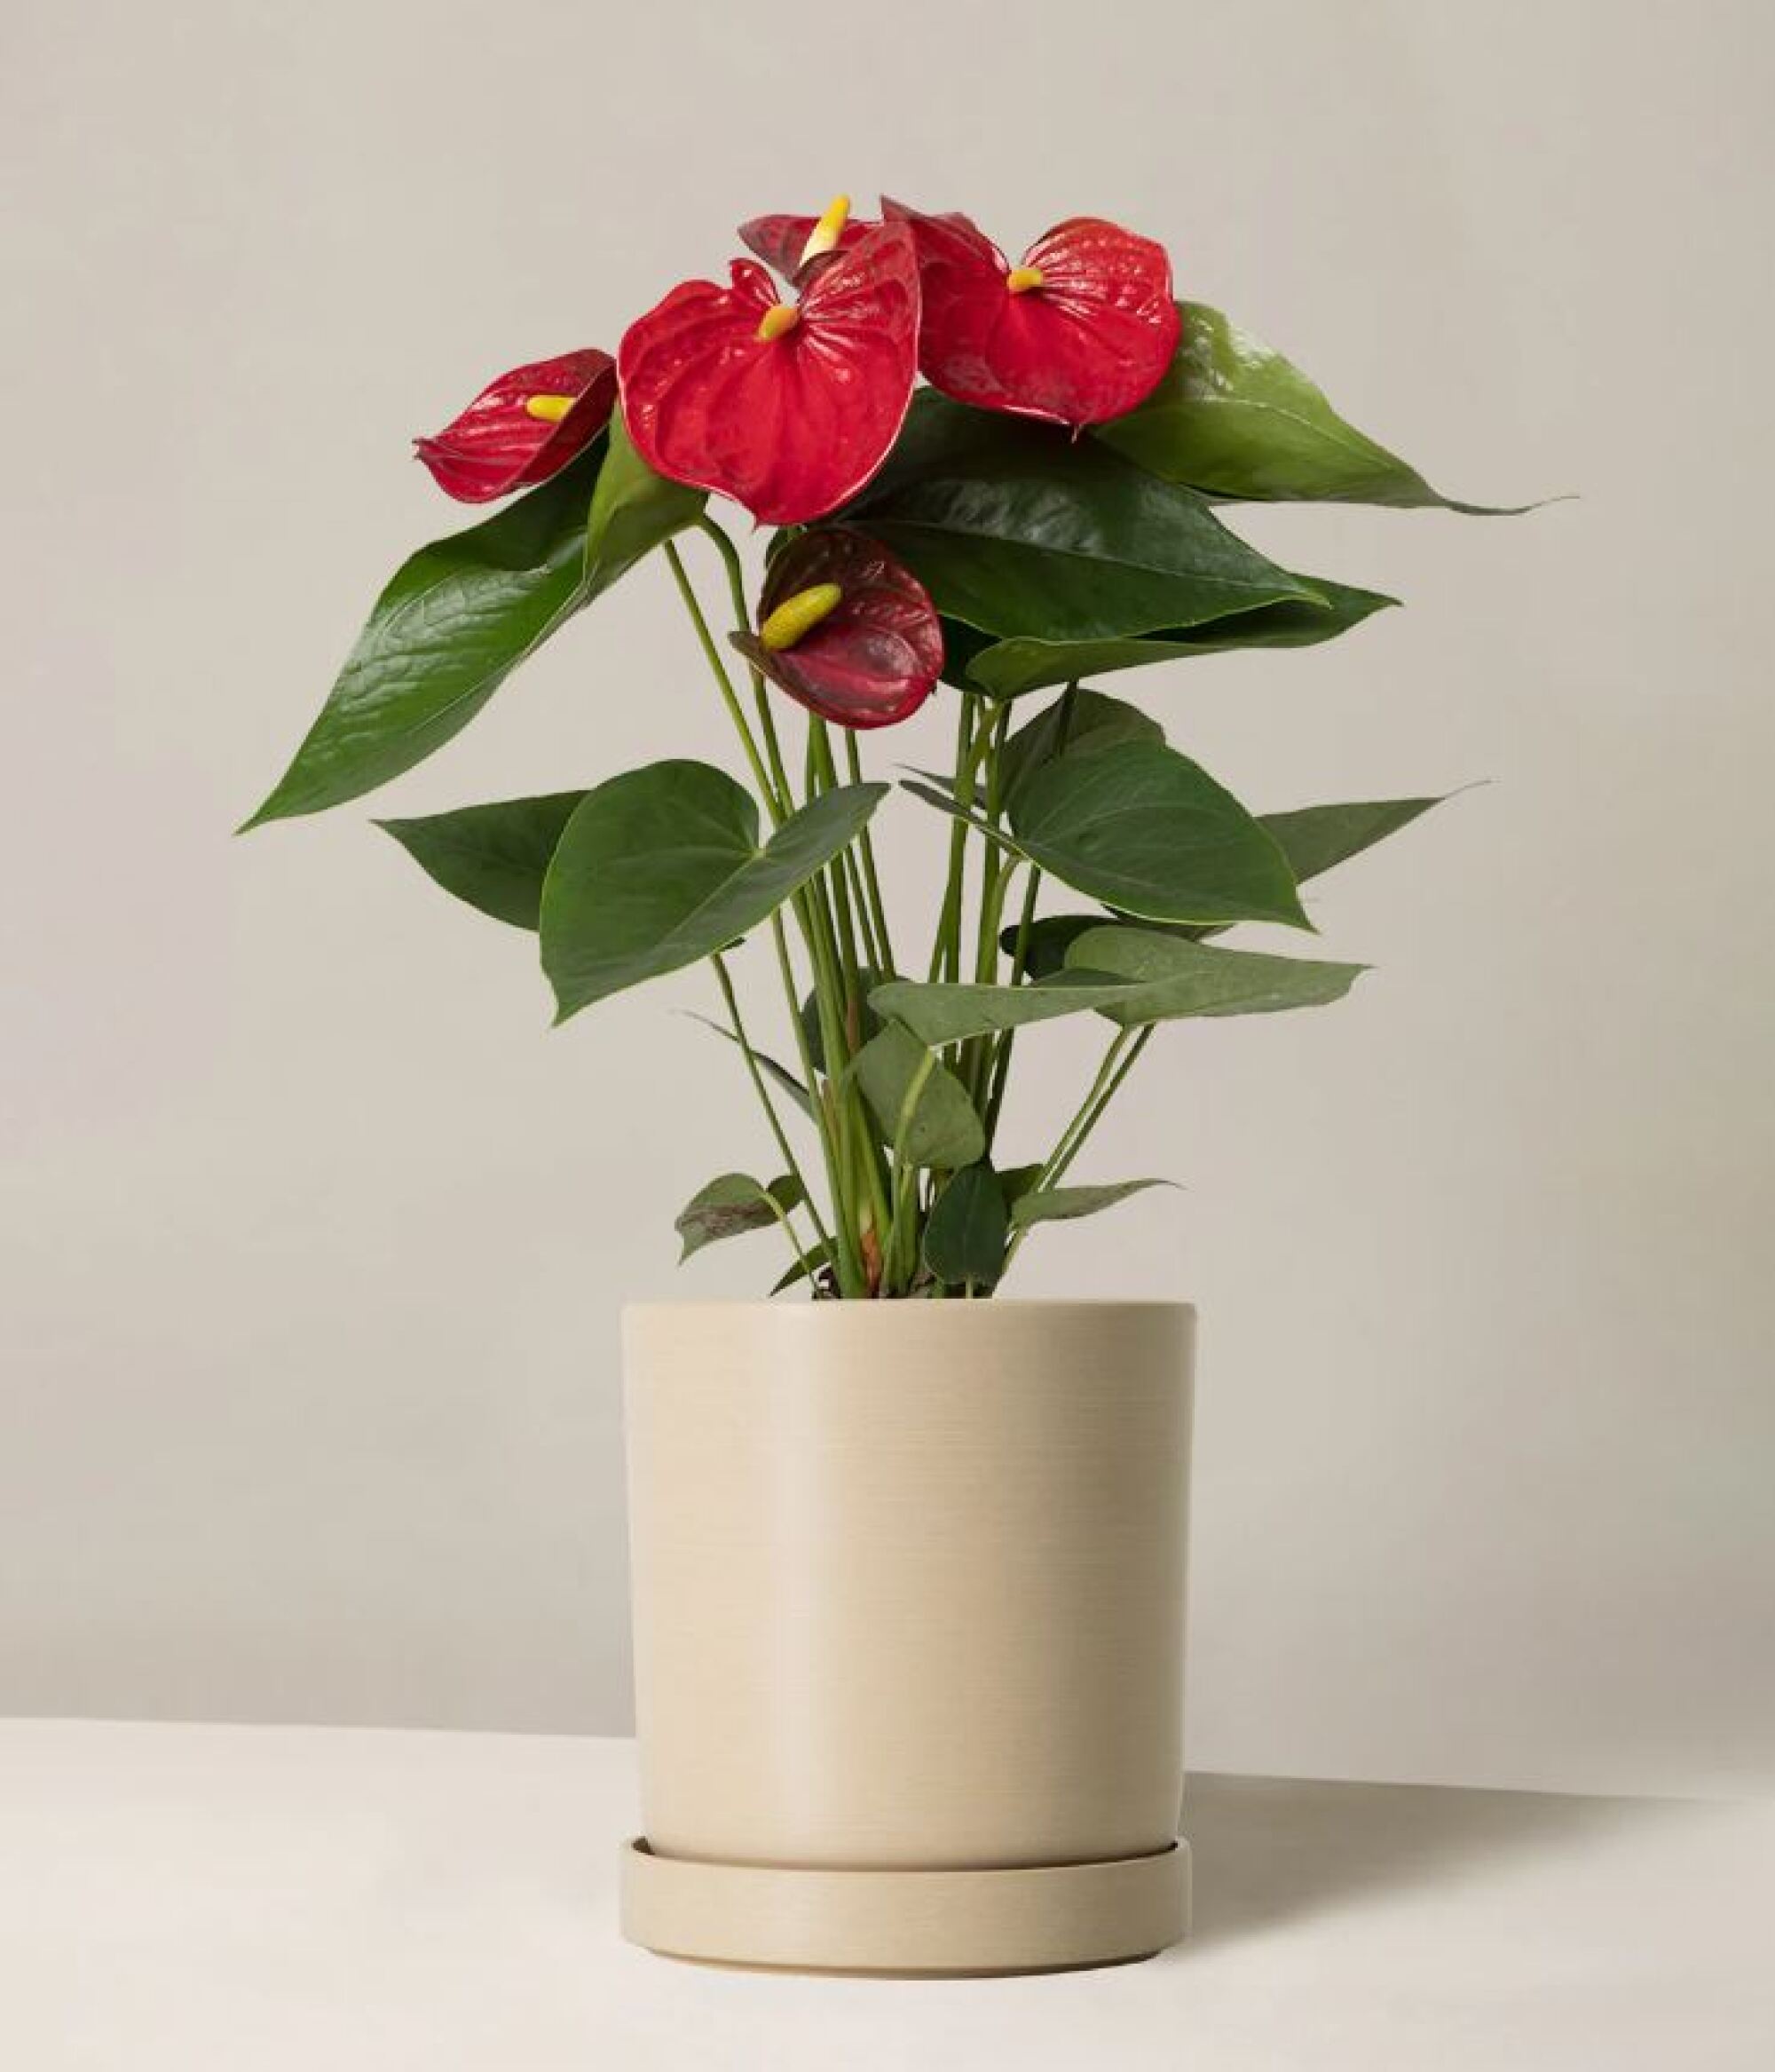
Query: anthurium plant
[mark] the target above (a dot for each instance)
(1010, 480)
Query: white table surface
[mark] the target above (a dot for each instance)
(175, 1899)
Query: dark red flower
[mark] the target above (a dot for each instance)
(845, 629)
(788, 243)
(523, 427)
(1080, 330)
(788, 407)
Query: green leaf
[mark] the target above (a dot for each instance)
(767, 1065)
(457, 618)
(663, 866)
(494, 857)
(731, 1204)
(633, 510)
(965, 1236)
(1083, 726)
(1171, 978)
(1019, 530)
(1132, 975)
(814, 1260)
(1233, 418)
(1150, 832)
(945, 1129)
(1316, 837)
(1313, 839)
(1007, 668)
(1065, 1205)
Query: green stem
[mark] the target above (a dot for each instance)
(760, 777)
(1118, 1061)
(846, 1264)
(865, 843)
(777, 1130)
(736, 590)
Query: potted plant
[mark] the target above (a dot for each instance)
(909, 1563)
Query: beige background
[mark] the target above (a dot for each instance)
(313, 1235)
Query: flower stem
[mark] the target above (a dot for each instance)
(777, 1130)
(866, 845)
(776, 804)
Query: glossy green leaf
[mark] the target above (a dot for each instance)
(1234, 419)
(633, 510)
(1082, 725)
(1315, 838)
(731, 1204)
(457, 618)
(1170, 977)
(1065, 1205)
(1016, 528)
(663, 866)
(1150, 832)
(945, 1129)
(969, 1227)
(1007, 668)
(494, 857)
(1132, 975)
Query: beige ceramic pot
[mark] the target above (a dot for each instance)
(909, 1593)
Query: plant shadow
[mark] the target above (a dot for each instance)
(1275, 1850)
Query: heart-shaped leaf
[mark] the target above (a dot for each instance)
(1083, 725)
(1148, 832)
(1233, 418)
(731, 1204)
(965, 1236)
(458, 617)
(1065, 1205)
(663, 866)
(1017, 529)
(943, 1129)
(1313, 838)
(495, 857)
(1007, 668)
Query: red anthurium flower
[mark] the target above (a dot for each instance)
(523, 427)
(787, 406)
(1080, 330)
(790, 242)
(845, 629)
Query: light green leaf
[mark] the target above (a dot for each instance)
(633, 510)
(1170, 976)
(945, 1129)
(663, 866)
(1233, 418)
(731, 1204)
(1132, 975)
(494, 857)
(1065, 1205)
(965, 1236)
(458, 617)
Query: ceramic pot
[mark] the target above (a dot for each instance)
(908, 1589)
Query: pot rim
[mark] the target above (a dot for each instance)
(997, 1305)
